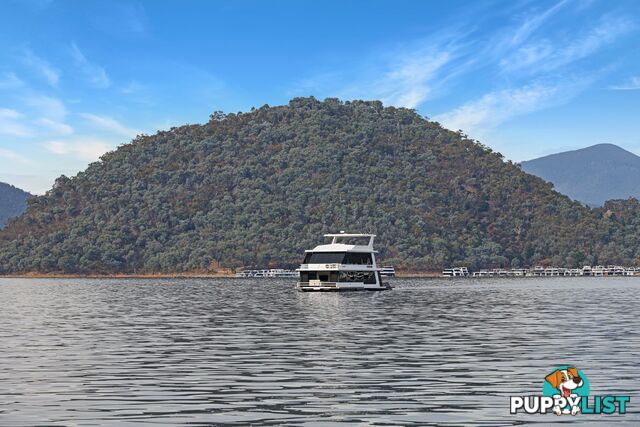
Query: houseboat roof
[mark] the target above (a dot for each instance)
(341, 247)
(336, 246)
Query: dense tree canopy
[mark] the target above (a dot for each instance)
(257, 188)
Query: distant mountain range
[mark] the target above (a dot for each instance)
(13, 202)
(590, 175)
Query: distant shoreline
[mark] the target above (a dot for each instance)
(115, 276)
(225, 274)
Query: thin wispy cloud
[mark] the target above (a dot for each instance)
(406, 77)
(10, 81)
(109, 124)
(138, 93)
(95, 74)
(632, 83)
(47, 106)
(409, 85)
(42, 67)
(546, 55)
(12, 123)
(54, 126)
(531, 23)
(87, 149)
(134, 18)
(495, 108)
(13, 156)
(49, 113)
(133, 87)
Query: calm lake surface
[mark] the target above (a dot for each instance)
(247, 351)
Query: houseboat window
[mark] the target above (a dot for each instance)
(323, 258)
(324, 276)
(338, 258)
(358, 258)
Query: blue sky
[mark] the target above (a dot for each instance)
(528, 78)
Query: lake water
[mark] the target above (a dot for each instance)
(247, 351)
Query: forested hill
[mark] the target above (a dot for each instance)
(13, 202)
(257, 188)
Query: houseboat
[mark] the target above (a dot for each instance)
(347, 263)
(455, 272)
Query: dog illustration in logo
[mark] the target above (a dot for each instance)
(565, 381)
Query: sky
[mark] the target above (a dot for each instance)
(527, 78)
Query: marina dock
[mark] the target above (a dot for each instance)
(538, 271)
(272, 272)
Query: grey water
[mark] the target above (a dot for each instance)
(255, 351)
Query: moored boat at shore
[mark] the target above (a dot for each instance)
(455, 272)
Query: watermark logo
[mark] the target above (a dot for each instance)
(567, 386)
(565, 391)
